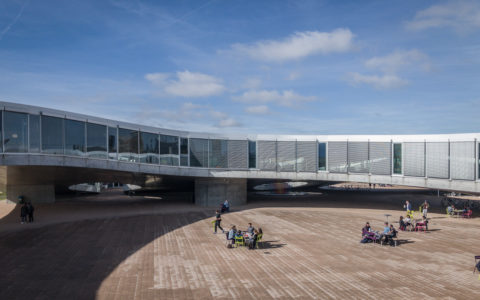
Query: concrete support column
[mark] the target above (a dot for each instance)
(32, 193)
(214, 191)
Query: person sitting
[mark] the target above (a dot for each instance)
(393, 234)
(408, 222)
(451, 209)
(386, 231)
(366, 229)
(226, 205)
(250, 228)
(253, 240)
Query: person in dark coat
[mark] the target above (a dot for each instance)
(23, 212)
(30, 210)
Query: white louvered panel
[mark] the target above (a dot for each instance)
(337, 157)
(358, 157)
(306, 156)
(462, 160)
(286, 156)
(267, 155)
(380, 158)
(437, 160)
(237, 154)
(199, 153)
(218, 151)
(414, 159)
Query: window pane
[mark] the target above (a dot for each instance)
(96, 140)
(252, 154)
(184, 152)
(149, 148)
(52, 135)
(322, 156)
(16, 132)
(112, 142)
(397, 158)
(127, 145)
(34, 124)
(74, 138)
(218, 154)
(169, 150)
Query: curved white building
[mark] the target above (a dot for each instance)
(42, 148)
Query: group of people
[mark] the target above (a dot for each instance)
(248, 237)
(388, 234)
(26, 212)
(451, 209)
(408, 222)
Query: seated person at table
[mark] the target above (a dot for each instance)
(253, 240)
(366, 229)
(451, 209)
(239, 233)
(408, 221)
(423, 223)
(386, 231)
(250, 228)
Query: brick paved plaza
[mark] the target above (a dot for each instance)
(147, 248)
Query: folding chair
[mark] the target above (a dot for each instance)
(259, 239)
(468, 214)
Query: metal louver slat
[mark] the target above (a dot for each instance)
(462, 160)
(358, 157)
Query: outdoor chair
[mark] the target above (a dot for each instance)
(421, 226)
(239, 241)
(371, 236)
(259, 239)
(467, 214)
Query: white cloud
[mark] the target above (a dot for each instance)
(284, 98)
(386, 81)
(298, 45)
(252, 83)
(229, 122)
(293, 76)
(187, 84)
(257, 110)
(460, 15)
(398, 60)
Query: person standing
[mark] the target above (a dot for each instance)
(250, 228)
(23, 213)
(407, 206)
(30, 210)
(425, 208)
(218, 219)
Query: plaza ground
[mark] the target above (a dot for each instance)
(120, 247)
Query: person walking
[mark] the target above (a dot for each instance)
(23, 213)
(218, 219)
(30, 210)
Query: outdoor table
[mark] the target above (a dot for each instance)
(457, 212)
(387, 215)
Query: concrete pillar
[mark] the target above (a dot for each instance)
(213, 191)
(32, 193)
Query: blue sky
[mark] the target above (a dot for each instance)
(293, 67)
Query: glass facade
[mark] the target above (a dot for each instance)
(127, 145)
(252, 154)
(96, 140)
(15, 131)
(169, 150)
(397, 158)
(34, 130)
(74, 138)
(149, 148)
(184, 152)
(322, 156)
(217, 151)
(52, 135)
(112, 142)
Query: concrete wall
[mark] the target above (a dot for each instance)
(213, 192)
(32, 193)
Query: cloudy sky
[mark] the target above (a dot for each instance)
(294, 67)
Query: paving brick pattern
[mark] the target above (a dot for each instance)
(310, 251)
